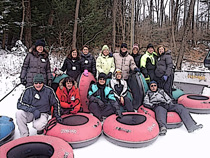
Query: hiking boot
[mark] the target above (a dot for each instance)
(163, 131)
(195, 127)
(40, 132)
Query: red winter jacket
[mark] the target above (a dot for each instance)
(69, 100)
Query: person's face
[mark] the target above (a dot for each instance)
(123, 49)
(119, 76)
(150, 50)
(135, 51)
(69, 85)
(101, 81)
(85, 50)
(161, 50)
(105, 52)
(153, 87)
(39, 49)
(74, 54)
(38, 85)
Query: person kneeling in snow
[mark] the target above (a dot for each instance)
(157, 100)
(120, 88)
(102, 102)
(34, 106)
(69, 96)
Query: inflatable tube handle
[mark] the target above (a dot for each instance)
(122, 129)
(50, 125)
(96, 124)
(145, 111)
(66, 155)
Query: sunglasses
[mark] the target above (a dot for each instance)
(38, 82)
(101, 79)
(153, 85)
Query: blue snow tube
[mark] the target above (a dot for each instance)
(176, 93)
(7, 129)
(56, 80)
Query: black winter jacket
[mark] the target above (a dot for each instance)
(88, 62)
(137, 58)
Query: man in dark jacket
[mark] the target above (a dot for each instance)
(157, 100)
(34, 105)
(88, 62)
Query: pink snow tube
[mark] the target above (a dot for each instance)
(79, 130)
(133, 130)
(39, 146)
(173, 119)
(196, 103)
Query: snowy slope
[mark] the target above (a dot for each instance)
(177, 142)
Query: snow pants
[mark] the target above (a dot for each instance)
(161, 115)
(22, 118)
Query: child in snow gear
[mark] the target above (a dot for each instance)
(157, 100)
(102, 102)
(68, 96)
(34, 105)
(136, 55)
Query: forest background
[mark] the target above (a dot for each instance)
(182, 26)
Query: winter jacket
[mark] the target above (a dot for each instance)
(148, 65)
(119, 88)
(125, 64)
(36, 63)
(157, 97)
(31, 100)
(137, 58)
(88, 62)
(69, 99)
(105, 64)
(164, 65)
(93, 91)
(72, 67)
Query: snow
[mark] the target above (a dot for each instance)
(177, 142)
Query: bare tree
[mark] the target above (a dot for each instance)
(114, 9)
(74, 40)
(23, 20)
(27, 34)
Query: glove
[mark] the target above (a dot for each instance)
(110, 54)
(100, 103)
(85, 73)
(36, 114)
(109, 75)
(119, 113)
(49, 83)
(23, 81)
(165, 77)
(74, 111)
(59, 119)
(136, 69)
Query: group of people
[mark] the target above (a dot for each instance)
(109, 95)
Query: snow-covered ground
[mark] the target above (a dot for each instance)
(177, 142)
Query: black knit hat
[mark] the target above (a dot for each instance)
(40, 42)
(150, 46)
(123, 45)
(102, 75)
(38, 78)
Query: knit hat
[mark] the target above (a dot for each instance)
(152, 82)
(40, 42)
(102, 75)
(150, 46)
(38, 78)
(136, 46)
(123, 45)
(105, 47)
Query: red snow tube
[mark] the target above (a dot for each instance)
(199, 104)
(36, 146)
(133, 130)
(79, 130)
(173, 119)
(83, 84)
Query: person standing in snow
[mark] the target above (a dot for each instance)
(34, 105)
(136, 55)
(88, 62)
(105, 62)
(158, 100)
(164, 70)
(36, 61)
(68, 96)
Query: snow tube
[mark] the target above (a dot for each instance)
(7, 129)
(79, 130)
(136, 85)
(173, 119)
(83, 85)
(56, 80)
(176, 93)
(199, 104)
(133, 130)
(36, 146)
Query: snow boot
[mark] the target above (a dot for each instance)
(194, 127)
(163, 131)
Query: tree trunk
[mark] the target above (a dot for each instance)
(27, 36)
(132, 25)
(4, 39)
(185, 34)
(75, 25)
(114, 25)
(23, 20)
